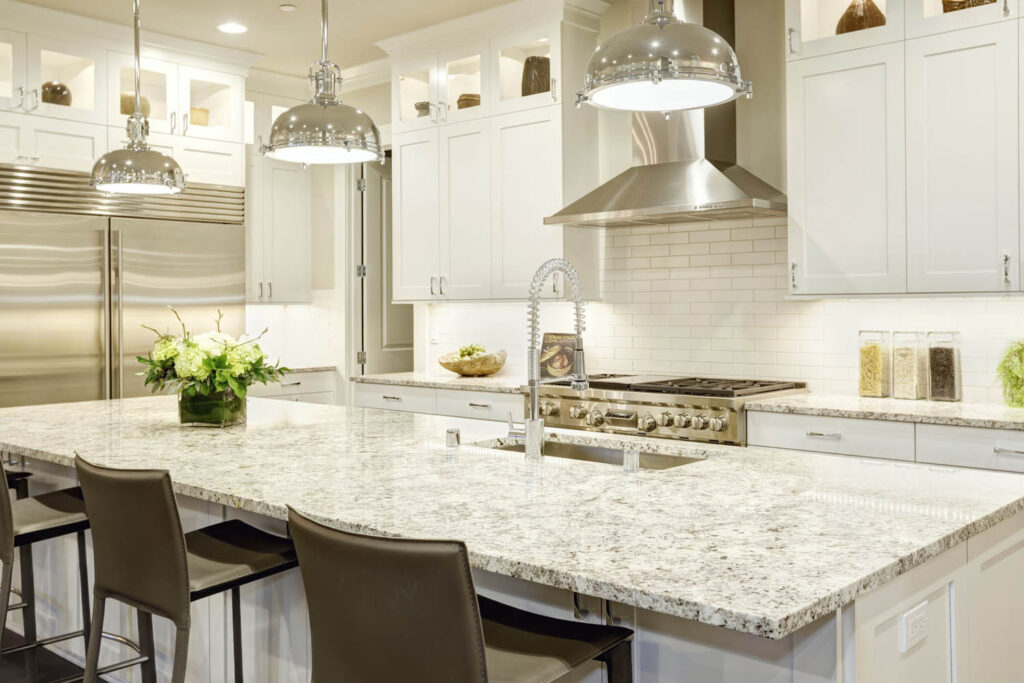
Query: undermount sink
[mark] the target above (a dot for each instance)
(605, 456)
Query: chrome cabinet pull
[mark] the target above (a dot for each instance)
(174, 121)
(999, 450)
(184, 123)
(391, 398)
(444, 282)
(1006, 269)
(35, 99)
(270, 290)
(1006, 8)
(789, 35)
(479, 405)
(442, 111)
(433, 285)
(20, 92)
(290, 384)
(261, 292)
(792, 275)
(554, 89)
(824, 435)
(25, 157)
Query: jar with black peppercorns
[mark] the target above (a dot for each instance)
(944, 366)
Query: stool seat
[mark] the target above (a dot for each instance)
(523, 647)
(233, 553)
(48, 515)
(14, 477)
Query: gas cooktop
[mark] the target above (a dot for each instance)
(694, 386)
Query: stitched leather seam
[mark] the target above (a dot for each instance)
(481, 647)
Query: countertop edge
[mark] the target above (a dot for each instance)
(454, 382)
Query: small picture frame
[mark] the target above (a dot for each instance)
(557, 355)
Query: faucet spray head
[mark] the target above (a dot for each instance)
(579, 374)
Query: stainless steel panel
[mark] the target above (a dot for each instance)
(51, 308)
(195, 267)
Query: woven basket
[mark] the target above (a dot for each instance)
(957, 5)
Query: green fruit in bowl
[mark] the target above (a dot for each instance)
(472, 351)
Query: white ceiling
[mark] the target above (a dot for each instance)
(289, 42)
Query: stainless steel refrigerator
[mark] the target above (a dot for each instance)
(75, 290)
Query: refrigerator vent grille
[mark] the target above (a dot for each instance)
(26, 188)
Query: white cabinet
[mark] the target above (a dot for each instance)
(211, 103)
(811, 27)
(417, 256)
(304, 387)
(927, 17)
(480, 405)
(847, 213)
(963, 221)
(12, 69)
(278, 232)
(464, 165)
(990, 449)
(159, 87)
(210, 162)
(400, 398)
(50, 143)
(78, 67)
(838, 435)
(516, 58)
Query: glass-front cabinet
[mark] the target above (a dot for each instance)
(159, 81)
(460, 78)
(928, 17)
(211, 104)
(819, 27)
(66, 80)
(525, 71)
(414, 94)
(12, 69)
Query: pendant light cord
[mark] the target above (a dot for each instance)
(138, 59)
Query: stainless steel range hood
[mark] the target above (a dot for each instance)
(686, 163)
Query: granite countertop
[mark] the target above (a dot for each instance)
(320, 368)
(503, 382)
(756, 540)
(989, 415)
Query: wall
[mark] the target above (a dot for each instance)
(300, 335)
(710, 299)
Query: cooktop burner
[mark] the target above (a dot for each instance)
(702, 386)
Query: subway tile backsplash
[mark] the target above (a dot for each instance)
(710, 299)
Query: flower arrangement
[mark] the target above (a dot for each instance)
(1011, 372)
(211, 372)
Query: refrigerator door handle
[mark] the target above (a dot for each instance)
(106, 287)
(117, 312)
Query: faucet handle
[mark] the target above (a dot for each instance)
(515, 432)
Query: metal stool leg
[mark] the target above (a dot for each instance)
(83, 580)
(236, 627)
(146, 645)
(180, 656)
(618, 663)
(92, 657)
(21, 489)
(28, 615)
(6, 576)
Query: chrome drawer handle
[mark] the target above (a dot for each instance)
(824, 435)
(479, 405)
(999, 450)
(392, 398)
(290, 384)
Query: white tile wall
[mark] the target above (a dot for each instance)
(709, 298)
(300, 335)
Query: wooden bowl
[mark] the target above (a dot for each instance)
(481, 366)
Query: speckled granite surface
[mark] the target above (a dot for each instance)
(755, 540)
(321, 368)
(503, 382)
(990, 415)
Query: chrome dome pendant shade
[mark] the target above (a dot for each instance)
(137, 169)
(323, 130)
(663, 64)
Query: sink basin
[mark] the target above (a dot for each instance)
(606, 456)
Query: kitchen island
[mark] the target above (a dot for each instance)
(747, 564)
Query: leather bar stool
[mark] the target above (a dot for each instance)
(143, 559)
(19, 482)
(27, 520)
(385, 609)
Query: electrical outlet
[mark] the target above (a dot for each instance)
(913, 626)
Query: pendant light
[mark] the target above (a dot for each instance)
(323, 130)
(663, 64)
(137, 169)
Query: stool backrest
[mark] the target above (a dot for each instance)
(6, 518)
(386, 609)
(138, 545)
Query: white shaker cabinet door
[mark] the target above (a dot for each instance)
(962, 160)
(416, 258)
(465, 196)
(847, 209)
(286, 232)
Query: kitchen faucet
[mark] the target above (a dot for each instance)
(533, 432)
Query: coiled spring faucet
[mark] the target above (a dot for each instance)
(534, 431)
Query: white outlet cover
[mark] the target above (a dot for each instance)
(913, 626)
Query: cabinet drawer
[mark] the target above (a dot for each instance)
(990, 449)
(388, 397)
(322, 397)
(480, 404)
(839, 435)
(296, 383)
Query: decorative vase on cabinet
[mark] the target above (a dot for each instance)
(861, 14)
(957, 5)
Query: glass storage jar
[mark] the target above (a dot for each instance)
(875, 370)
(909, 365)
(944, 366)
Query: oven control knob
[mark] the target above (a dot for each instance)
(682, 421)
(577, 412)
(666, 420)
(699, 422)
(719, 424)
(595, 418)
(548, 408)
(647, 423)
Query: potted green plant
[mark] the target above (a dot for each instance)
(211, 373)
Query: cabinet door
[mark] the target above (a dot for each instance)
(159, 89)
(462, 84)
(286, 232)
(12, 70)
(210, 162)
(14, 130)
(417, 252)
(211, 104)
(81, 69)
(928, 17)
(962, 160)
(69, 145)
(518, 63)
(847, 189)
(465, 196)
(526, 182)
(414, 95)
(254, 252)
(811, 27)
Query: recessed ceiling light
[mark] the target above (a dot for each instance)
(232, 27)
(287, 7)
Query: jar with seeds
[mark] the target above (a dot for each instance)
(944, 366)
(875, 370)
(909, 365)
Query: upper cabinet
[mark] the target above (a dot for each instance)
(66, 80)
(211, 103)
(927, 17)
(12, 70)
(526, 69)
(159, 88)
(821, 27)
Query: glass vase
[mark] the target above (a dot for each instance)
(219, 409)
